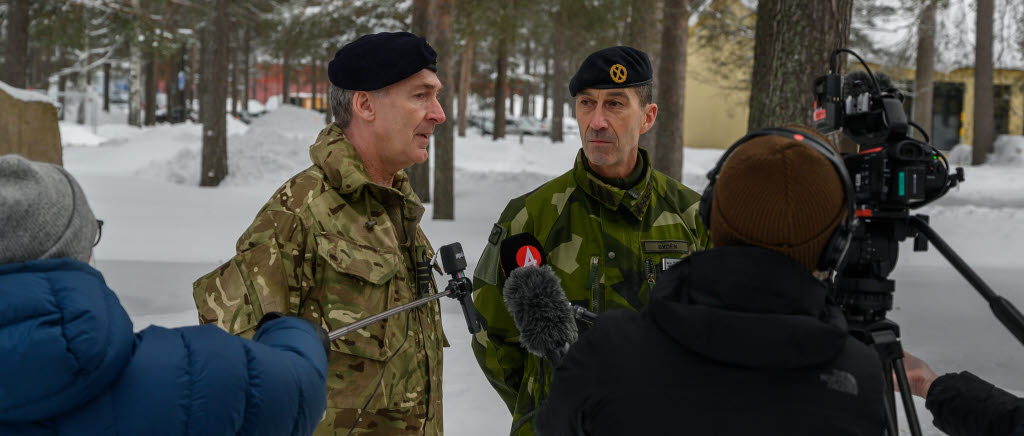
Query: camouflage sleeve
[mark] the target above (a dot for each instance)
(700, 232)
(496, 347)
(267, 274)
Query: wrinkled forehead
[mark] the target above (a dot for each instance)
(605, 94)
(424, 79)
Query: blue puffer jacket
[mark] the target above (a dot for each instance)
(71, 365)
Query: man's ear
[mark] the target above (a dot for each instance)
(650, 113)
(363, 106)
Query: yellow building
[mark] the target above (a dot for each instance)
(717, 96)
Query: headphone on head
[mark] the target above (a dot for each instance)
(834, 252)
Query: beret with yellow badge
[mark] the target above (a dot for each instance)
(612, 67)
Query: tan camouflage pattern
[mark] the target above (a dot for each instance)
(607, 245)
(311, 252)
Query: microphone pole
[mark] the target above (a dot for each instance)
(460, 287)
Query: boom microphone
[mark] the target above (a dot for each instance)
(541, 312)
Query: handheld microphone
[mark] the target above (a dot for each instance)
(453, 262)
(541, 312)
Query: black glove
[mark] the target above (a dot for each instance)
(320, 332)
(270, 316)
(324, 339)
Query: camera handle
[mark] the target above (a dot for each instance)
(1003, 309)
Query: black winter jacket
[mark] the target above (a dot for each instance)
(734, 341)
(963, 404)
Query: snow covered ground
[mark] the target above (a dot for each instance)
(162, 232)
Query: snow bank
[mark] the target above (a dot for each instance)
(1009, 151)
(75, 135)
(270, 150)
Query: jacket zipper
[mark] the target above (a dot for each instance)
(596, 293)
(649, 264)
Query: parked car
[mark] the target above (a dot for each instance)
(516, 126)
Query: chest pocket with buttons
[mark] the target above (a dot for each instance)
(355, 284)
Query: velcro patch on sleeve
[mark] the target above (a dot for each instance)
(496, 234)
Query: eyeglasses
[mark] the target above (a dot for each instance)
(99, 232)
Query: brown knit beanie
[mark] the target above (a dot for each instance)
(780, 194)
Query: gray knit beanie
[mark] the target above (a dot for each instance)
(43, 213)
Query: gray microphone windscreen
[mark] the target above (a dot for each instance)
(539, 309)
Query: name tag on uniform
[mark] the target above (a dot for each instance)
(666, 246)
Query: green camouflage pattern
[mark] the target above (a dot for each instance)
(607, 245)
(313, 252)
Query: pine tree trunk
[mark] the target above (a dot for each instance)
(421, 22)
(527, 87)
(924, 76)
(792, 43)
(80, 90)
(984, 113)
(62, 88)
(246, 55)
(16, 56)
(215, 152)
(171, 88)
(444, 133)
(672, 92)
(642, 34)
(465, 80)
(149, 70)
(546, 89)
(106, 87)
(134, 81)
(559, 76)
(191, 77)
(314, 72)
(419, 174)
(500, 83)
(286, 77)
(233, 72)
(205, 71)
(328, 114)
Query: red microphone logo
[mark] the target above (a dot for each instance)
(528, 255)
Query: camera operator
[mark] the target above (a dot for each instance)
(963, 404)
(738, 339)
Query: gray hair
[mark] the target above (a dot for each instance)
(340, 101)
(645, 93)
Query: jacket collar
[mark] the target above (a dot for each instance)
(345, 171)
(635, 199)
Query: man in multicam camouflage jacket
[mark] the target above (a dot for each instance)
(610, 225)
(339, 242)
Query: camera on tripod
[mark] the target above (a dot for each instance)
(891, 174)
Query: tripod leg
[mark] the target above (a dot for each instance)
(888, 400)
(908, 400)
(886, 340)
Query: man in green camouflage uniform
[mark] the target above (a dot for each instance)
(340, 242)
(610, 225)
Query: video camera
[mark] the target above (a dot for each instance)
(891, 174)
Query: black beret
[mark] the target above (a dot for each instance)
(613, 67)
(379, 59)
